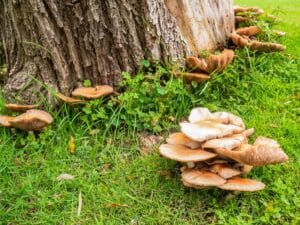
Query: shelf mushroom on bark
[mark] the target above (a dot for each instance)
(214, 151)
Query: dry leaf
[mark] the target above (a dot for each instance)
(79, 203)
(71, 145)
(113, 205)
(65, 176)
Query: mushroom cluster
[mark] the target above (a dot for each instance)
(245, 36)
(202, 67)
(31, 120)
(215, 152)
(87, 93)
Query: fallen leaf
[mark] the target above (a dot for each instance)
(65, 176)
(79, 203)
(71, 145)
(113, 205)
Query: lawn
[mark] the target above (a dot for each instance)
(121, 183)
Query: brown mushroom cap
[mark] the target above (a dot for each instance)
(181, 153)
(232, 119)
(20, 108)
(180, 139)
(218, 63)
(266, 47)
(93, 92)
(242, 184)
(262, 153)
(240, 9)
(186, 184)
(239, 41)
(201, 178)
(197, 64)
(32, 120)
(197, 77)
(228, 142)
(5, 121)
(206, 130)
(224, 170)
(248, 31)
(69, 100)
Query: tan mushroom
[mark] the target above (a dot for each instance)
(206, 130)
(228, 142)
(217, 63)
(69, 100)
(197, 77)
(242, 184)
(93, 92)
(248, 31)
(181, 153)
(231, 118)
(180, 138)
(239, 41)
(200, 114)
(257, 155)
(266, 47)
(196, 64)
(20, 108)
(224, 170)
(32, 120)
(5, 121)
(240, 9)
(201, 178)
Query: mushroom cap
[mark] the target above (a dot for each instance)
(69, 100)
(186, 184)
(201, 178)
(180, 138)
(248, 31)
(239, 41)
(20, 108)
(262, 153)
(207, 130)
(93, 92)
(197, 64)
(224, 170)
(219, 62)
(246, 169)
(242, 184)
(32, 120)
(232, 119)
(200, 114)
(266, 46)
(181, 153)
(5, 121)
(197, 77)
(228, 142)
(240, 9)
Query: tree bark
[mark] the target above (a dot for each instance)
(62, 43)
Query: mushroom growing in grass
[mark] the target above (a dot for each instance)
(5, 121)
(20, 108)
(69, 100)
(214, 151)
(32, 120)
(93, 92)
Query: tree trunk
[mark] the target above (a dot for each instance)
(63, 43)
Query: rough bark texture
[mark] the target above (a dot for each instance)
(62, 43)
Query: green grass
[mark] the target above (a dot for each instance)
(110, 169)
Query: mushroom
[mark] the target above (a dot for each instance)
(93, 92)
(228, 142)
(240, 9)
(32, 120)
(240, 41)
(258, 155)
(5, 121)
(200, 114)
(201, 178)
(181, 153)
(180, 138)
(266, 47)
(242, 184)
(231, 118)
(197, 77)
(20, 108)
(206, 130)
(224, 170)
(248, 31)
(69, 100)
(197, 64)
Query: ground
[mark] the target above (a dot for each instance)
(124, 183)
